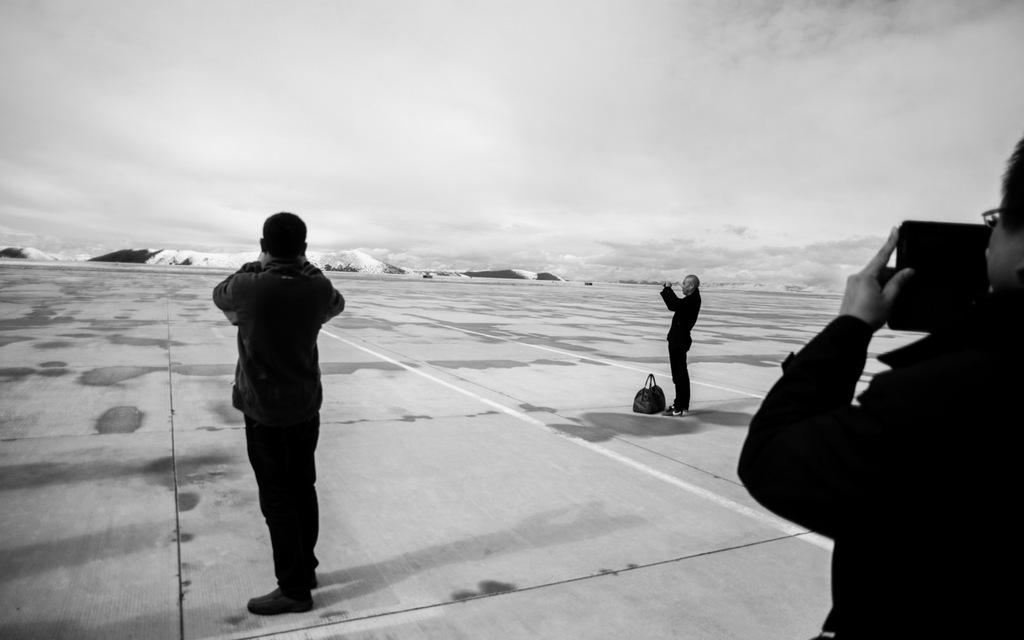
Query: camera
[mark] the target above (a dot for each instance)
(950, 273)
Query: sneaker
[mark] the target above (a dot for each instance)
(673, 411)
(276, 602)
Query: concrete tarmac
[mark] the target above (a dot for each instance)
(480, 471)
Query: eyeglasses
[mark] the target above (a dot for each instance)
(991, 217)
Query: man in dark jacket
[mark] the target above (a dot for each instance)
(279, 304)
(913, 483)
(679, 341)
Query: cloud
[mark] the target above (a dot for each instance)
(741, 231)
(497, 134)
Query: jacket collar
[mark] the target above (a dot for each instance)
(994, 323)
(284, 264)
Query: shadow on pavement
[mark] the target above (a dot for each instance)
(603, 426)
(549, 528)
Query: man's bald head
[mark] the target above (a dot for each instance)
(689, 284)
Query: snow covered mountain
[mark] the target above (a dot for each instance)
(353, 261)
(350, 261)
(28, 253)
(513, 274)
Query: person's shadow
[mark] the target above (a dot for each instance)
(603, 426)
(557, 526)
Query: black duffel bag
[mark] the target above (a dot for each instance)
(650, 399)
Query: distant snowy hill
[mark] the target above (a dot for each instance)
(28, 253)
(441, 272)
(743, 286)
(352, 261)
(349, 261)
(513, 274)
(196, 258)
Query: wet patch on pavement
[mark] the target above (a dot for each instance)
(107, 376)
(477, 364)
(120, 420)
(346, 368)
(126, 341)
(159, 471)
(56, 344)
(204, 369)
(363, 322)
(39, 318)
(187, 501)
(6, 340)
(53, 373)
(484, 588)
(18, 562)
(557, 363)
(15, 374)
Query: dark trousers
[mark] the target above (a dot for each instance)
(283, 460)
(680, 377)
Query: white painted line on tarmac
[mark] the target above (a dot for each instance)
(608, 362)
(764, 518)
(490, 403)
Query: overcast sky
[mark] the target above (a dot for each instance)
(767, 141)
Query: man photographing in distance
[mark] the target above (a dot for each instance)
(679, 340)
(279, 304)
(913, 483)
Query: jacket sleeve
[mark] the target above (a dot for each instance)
(810, 456)
(222, 294)
(336, 303)
(672, 301)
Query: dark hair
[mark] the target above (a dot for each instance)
(284, 235)
(1013, 190)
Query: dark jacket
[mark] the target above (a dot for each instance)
(914, 483)
(685, 316)
(279, 314)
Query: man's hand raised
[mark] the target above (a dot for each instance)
(251, 267)
(865, 298)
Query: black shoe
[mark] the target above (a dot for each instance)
(673, 411)
(276, 602)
